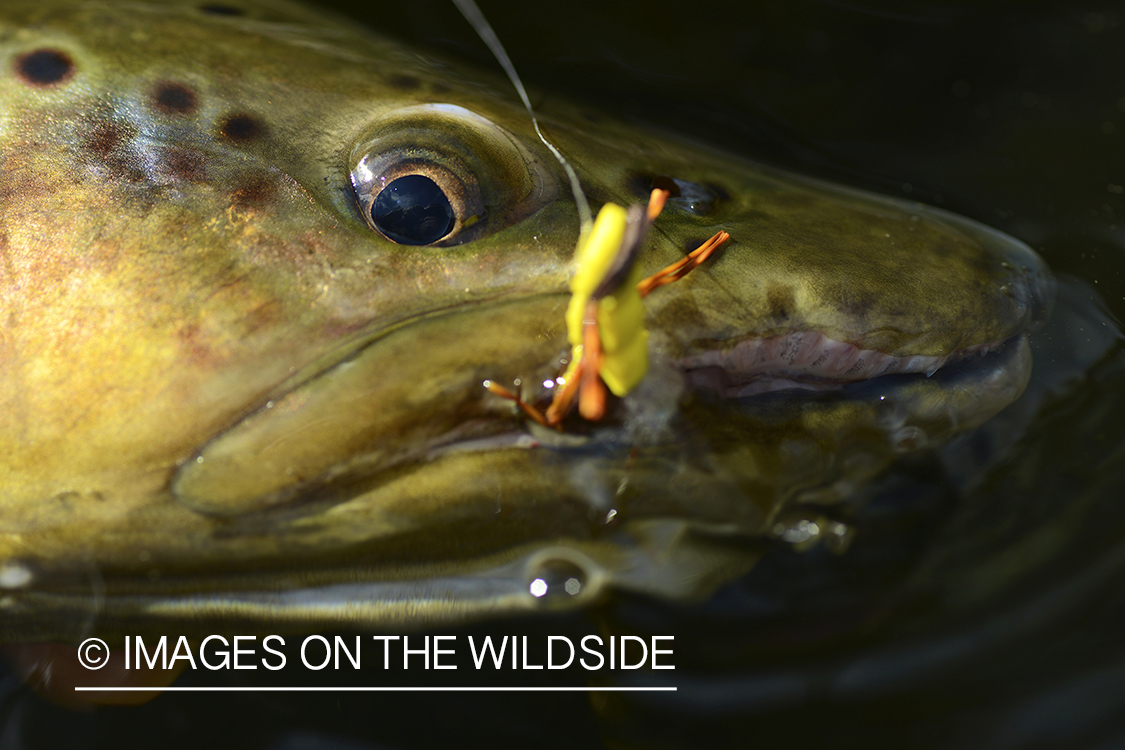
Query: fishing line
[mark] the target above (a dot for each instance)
(476, 19)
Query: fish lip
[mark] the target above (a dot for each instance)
(904, 412)
(761, 365)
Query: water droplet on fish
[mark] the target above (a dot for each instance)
(557, 580)
(14, 575)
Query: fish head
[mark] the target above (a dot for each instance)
(257, 264)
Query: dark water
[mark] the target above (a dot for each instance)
(982, 603)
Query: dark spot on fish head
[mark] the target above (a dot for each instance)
(592, 116)
(780, 301)
(188, 166)
(404, 82)
(255, 191)
(216, 9)
(241, 128)
(855, 302)
(44, 67)
(106, 138)
(106, 143)
(174, 98)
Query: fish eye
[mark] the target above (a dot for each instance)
(413, 210)
(440, 175)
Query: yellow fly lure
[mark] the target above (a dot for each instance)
(605, 317)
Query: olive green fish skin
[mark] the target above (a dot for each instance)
(188, 281)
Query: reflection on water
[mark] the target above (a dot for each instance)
(979, 601)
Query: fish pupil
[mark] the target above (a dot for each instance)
(413, 210)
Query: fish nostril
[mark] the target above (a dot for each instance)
(664, 182)
(692, 197)
(45, 67)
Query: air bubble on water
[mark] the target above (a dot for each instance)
(800, 532)
(805, 533)
(837, 536)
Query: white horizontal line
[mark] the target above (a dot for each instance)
(380, 689)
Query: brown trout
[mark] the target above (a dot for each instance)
(256, 262)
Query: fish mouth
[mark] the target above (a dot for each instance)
(807, 360)
(908, 330)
